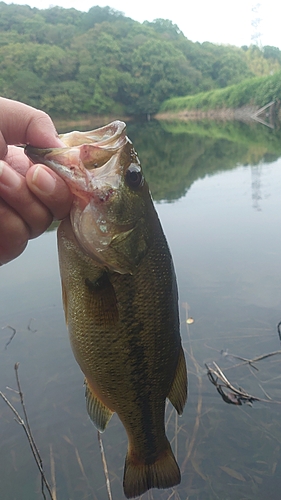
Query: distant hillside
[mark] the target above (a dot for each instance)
(72, 63)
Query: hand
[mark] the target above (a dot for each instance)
(30, 196)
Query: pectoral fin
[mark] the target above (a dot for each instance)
(103, 299)
(98, 412)
(178, 391)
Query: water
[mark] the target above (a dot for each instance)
(219, 203)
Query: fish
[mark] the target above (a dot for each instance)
(120, 298)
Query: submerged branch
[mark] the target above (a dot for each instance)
(26, 427)
(107, 480)
(192, 441)
(32, 442)
(11, 337)
(237, 396)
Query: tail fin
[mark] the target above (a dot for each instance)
(138, 478)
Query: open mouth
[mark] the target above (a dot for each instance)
(89, 160)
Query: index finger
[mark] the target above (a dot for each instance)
(22, 124)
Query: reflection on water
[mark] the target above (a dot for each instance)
(224, 233)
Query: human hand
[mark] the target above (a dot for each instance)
(30, 195)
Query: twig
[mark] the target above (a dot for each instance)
(36, 451)
(246, 360)
(176, 435)
(53, 473)
(265, 393)
(264, 356)
(78, 458)
(12, 336)
(169, 417)
(29, 326)
(27, 430)
(279, 330)
(236, 396)
(255, 360)
(199, 400)
(16, 368)
(107, 480)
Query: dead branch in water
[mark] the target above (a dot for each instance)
(191, 444)
(107, 480)
(237, 396)
(29, 326)
(26, 427)
(279, 330)
(11, 337)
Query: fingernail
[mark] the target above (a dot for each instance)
(43, 180)
(8, 176)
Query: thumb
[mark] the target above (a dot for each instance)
(50, 189)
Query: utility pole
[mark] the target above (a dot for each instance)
(255, 23)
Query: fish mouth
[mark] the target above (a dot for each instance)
(92, 164)
(110, 136)
(87, 158)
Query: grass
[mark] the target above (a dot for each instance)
(256, 91)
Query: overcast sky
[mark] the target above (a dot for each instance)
(217, 21)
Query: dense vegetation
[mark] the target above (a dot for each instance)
(257, 91)
(71, 63)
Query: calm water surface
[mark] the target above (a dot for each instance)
(222, 219)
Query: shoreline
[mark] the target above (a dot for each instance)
(224, 114)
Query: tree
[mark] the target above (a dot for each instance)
(166, 28)
(230, 68)
(270, 52)
(159, 70)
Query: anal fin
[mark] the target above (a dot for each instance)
(98, 412)
(178, 391)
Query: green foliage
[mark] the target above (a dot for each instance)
(231, 68)
(159, 70)
(255, 92)
(98, 15)
(263, 61)
(114, 63)
(272, 53)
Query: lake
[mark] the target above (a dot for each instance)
(217, 191)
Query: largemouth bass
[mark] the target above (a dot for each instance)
(120, 298)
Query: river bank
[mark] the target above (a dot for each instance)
(245, 114)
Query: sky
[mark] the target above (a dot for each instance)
(233, 22)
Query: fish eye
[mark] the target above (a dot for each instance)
(134, 177)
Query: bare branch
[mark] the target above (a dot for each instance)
(236, 396)
(107, 480)
(12, 336)
(27, 430)
(29, 326)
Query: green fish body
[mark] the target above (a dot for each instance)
(120, 299)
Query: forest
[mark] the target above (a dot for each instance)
(72, 63)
